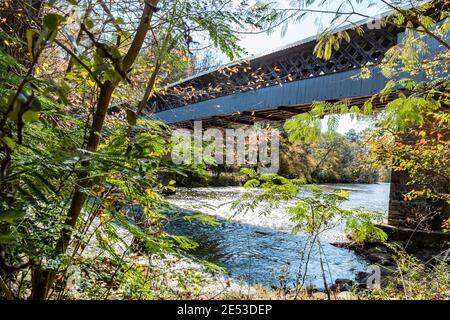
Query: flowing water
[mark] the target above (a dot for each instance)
(260, 249)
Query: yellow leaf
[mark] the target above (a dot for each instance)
(343, 194)
(30, 34)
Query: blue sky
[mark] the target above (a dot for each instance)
(312, 24)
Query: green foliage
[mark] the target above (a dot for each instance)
(362, 228)
(273, 189)
(322, 211)
(407, 101)
(314, 213)
(317, 213)
(75, 179)
(333, 158)
(414, 279)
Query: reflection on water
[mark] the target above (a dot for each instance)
(260, 249)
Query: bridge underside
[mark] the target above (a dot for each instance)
(280, 102)
(278, 114)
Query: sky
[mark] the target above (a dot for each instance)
(311, 25)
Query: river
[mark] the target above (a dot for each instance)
(261, 249)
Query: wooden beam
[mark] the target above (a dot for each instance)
(292, 110)
(261, 117)
(239, 121)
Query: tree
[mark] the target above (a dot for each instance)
(312, 213)
(410, 106)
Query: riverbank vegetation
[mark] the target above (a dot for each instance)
(400, 270)
(81, 163)
(333, 158)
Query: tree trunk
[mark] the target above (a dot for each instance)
(41, 281)
(149, 89)
(44, 279)
(79, 197)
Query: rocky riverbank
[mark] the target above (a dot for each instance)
(389, 260)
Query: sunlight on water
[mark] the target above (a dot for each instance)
(261, 249)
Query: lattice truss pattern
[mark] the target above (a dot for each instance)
(291, 64)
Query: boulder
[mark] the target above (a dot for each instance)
(342, 285)
(361, 276)
(343, 281)
(387, 270)
(381, 258)
(377, 250)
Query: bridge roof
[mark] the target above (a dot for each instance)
(282, 50)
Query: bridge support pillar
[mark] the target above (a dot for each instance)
(418, 223)
(420, 213)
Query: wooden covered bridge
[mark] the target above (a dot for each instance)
(280, 84)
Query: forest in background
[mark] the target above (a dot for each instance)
(334, 158)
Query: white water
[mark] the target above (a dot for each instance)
(261, 249)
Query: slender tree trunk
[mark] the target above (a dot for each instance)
(150, 87)
(79, 197)
(41, 282)
(4, 288)
(44, 279)
(325, 284)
